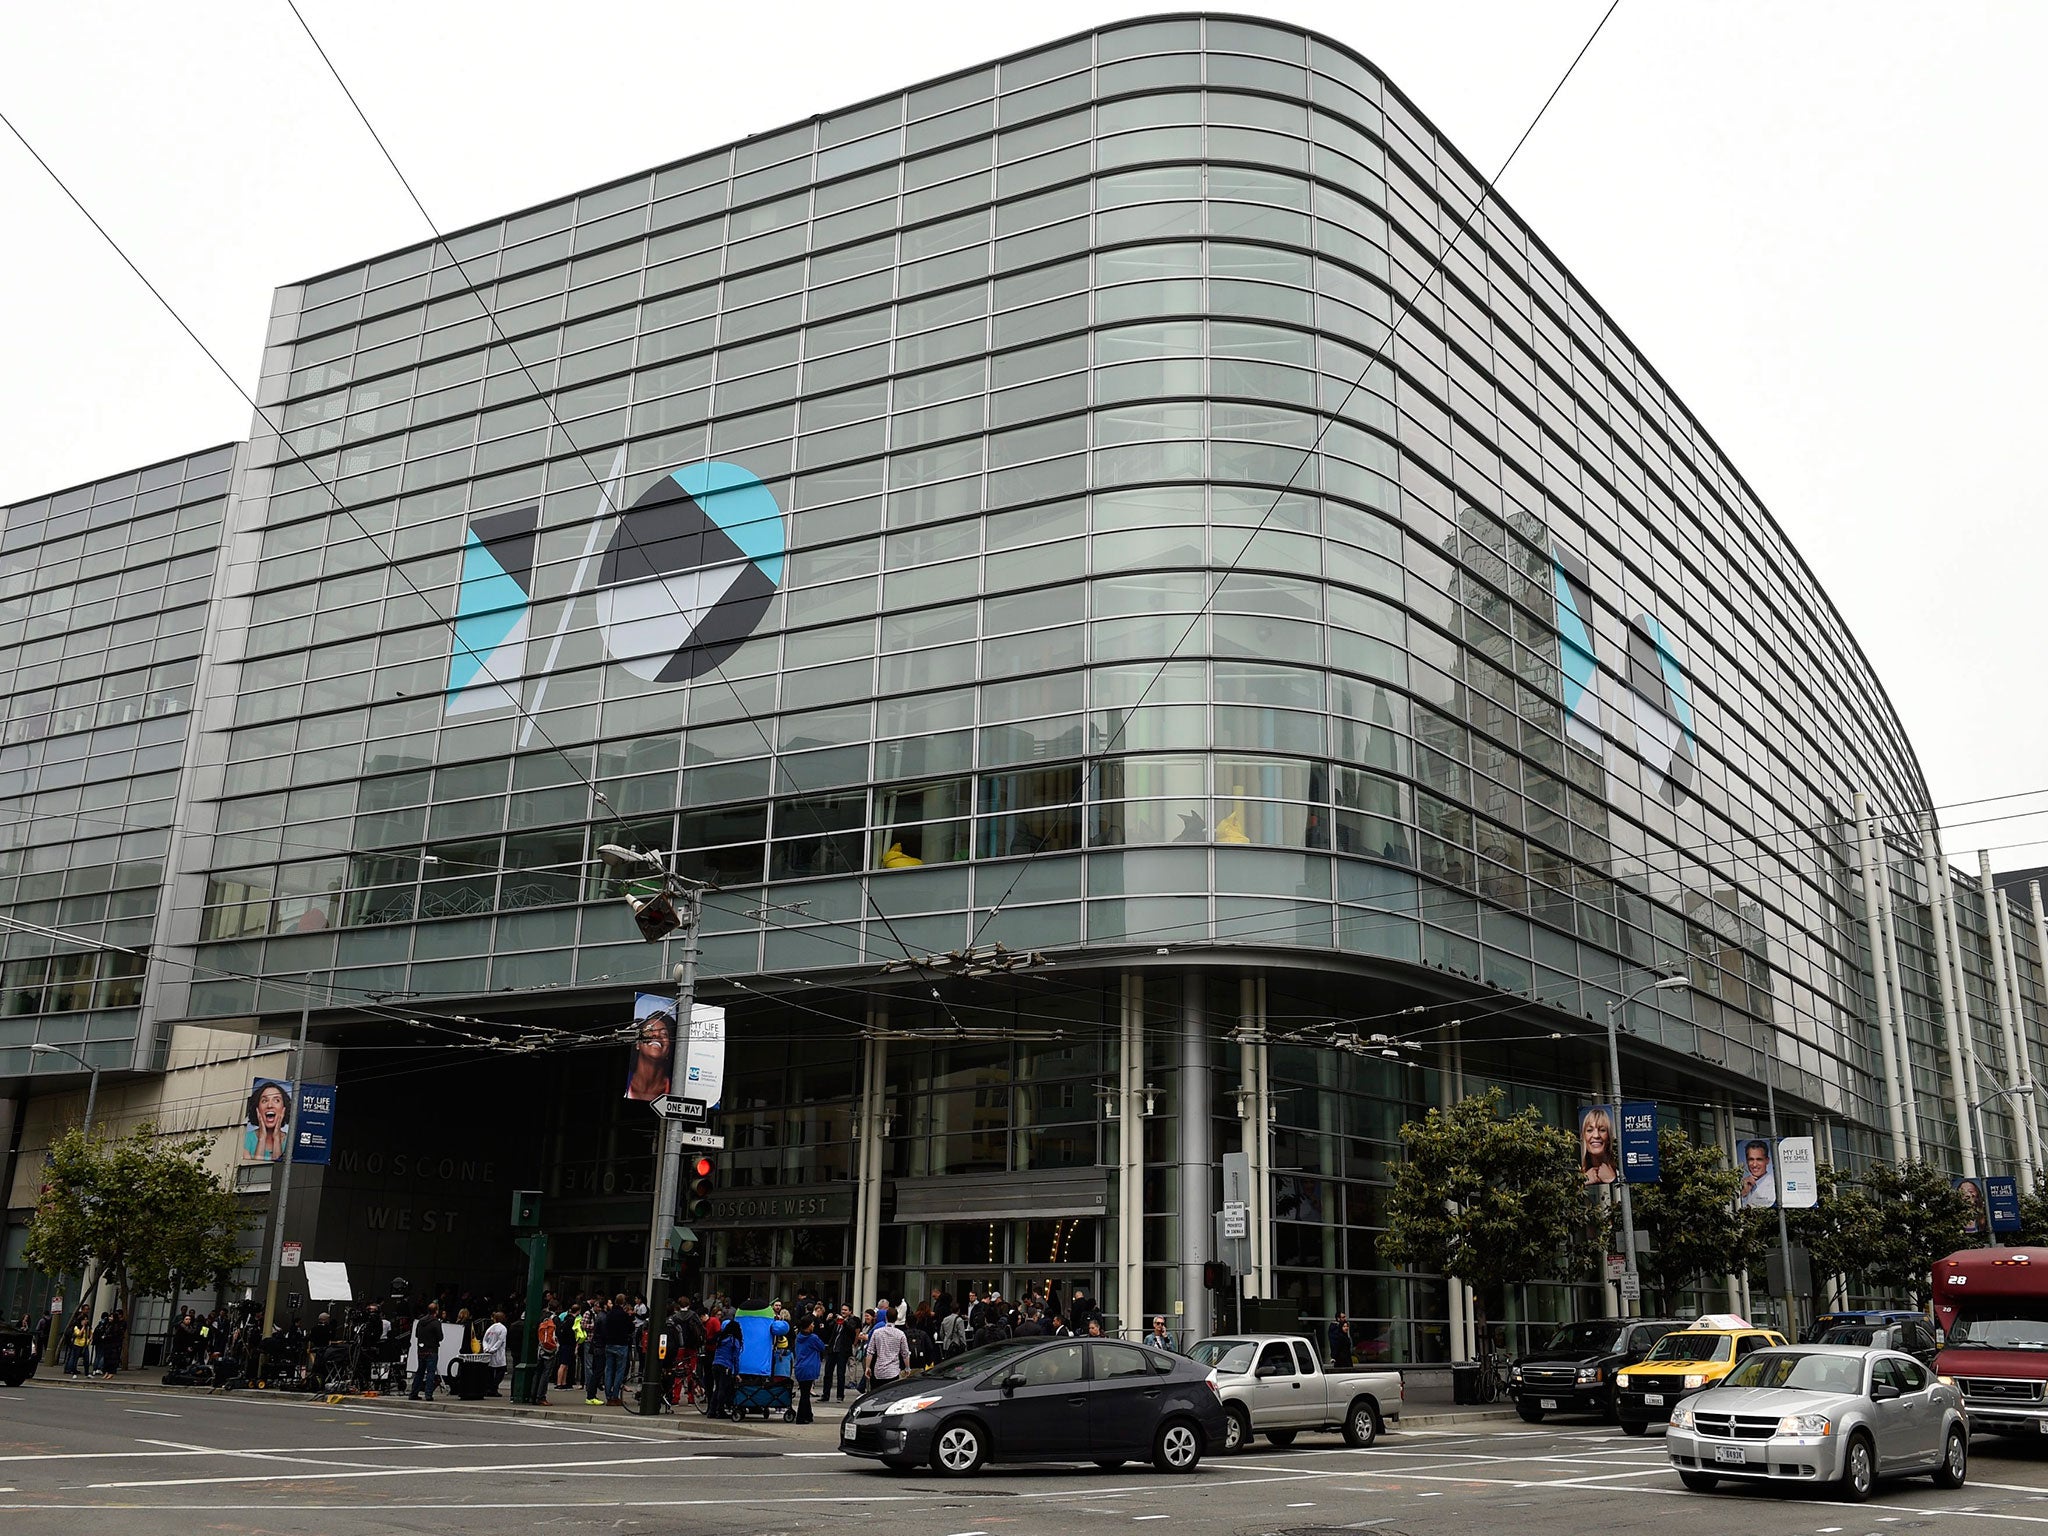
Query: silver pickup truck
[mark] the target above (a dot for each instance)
(1274, 1384)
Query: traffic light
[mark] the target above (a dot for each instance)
(703, 1180)
(1216, 1275)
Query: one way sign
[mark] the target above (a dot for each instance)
(672, 1106)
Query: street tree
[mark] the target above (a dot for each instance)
(1697, 1232)
(1840, 1230)
(1494, 1200)
(135, 1211)
(1920, 1218)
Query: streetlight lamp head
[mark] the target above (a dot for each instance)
(42, 1048)
(1671, 982)
(617, 857)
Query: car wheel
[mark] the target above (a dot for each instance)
(1237, 1430)
(1281, 1437)
(1859, 1470)
(1528, 1414)
(1700, 1482)
(961, 1448)
(1362, 1425)
(1177, 1447)
(1634, 1426)
(1955, 1460)
(1109, 1463)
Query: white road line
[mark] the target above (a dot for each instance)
(460, 1445)
(152, 1413)
(1136, 1518)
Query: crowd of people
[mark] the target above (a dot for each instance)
(593, 1345)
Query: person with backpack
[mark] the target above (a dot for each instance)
(689, 1350)
(807, 1364)
(427, 1334)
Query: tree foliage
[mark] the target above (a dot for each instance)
(1919, 1218)
(1697, 1233)
(134, 1211)
(1840, 1230)
(1493, 1200)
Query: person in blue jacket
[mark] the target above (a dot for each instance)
(807, 1364)
(725, 1370)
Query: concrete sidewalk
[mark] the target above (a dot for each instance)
(1421, 1410)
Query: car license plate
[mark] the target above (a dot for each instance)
(1653, 1399)
(1551, 1402)
(847, 1431)
(1732, 1453)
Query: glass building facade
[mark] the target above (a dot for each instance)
(1134, 504)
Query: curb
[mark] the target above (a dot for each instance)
(703, 1429)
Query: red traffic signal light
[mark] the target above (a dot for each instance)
(703, 1179)
(1216, 1275)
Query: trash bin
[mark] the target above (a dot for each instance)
(1465, 1382)
(470, 1381)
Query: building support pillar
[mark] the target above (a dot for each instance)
(1256, 1109)
(1898, 993)
(870, 1122)
(2024, 1106)
(1130, 1150)
(1197, 1158)
(1955, 1021)
(1866, 833)
(2041, 948)
(2008, 1032)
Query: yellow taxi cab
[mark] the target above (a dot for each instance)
(1682, 1363)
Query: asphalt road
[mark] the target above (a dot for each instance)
(106, 1459)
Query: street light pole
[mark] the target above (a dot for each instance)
(1778, 1176)
(2017, 1090)
(92, 1095)
(679, 905)
(1628, 1214)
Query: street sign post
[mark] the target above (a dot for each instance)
(673, 1106)
(1235, 1223)
(710, 1140)
(1631, 1287)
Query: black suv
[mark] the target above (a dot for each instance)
(1574, 1370)
(17, 1355)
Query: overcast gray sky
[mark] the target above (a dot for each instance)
(1821, 222)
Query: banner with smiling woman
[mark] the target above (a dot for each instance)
(1596, 1144)
(266, 1122)
(654, 1046)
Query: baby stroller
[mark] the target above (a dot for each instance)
(773, 1393)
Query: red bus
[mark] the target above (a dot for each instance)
(1992, 1304)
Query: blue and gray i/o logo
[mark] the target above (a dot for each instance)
(689, 570)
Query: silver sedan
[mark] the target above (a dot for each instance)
(1819, 1413)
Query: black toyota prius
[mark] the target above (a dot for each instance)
(1099, 1400)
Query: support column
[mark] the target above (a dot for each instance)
(2008, 1034)
(1955, 1024)
(2041, 948)
(1899, 1013)
(1130, 1145)
(1460, 1338)
(1866, 832)
(1197, 1158)
(1973, 1068)
(2023, 1106)
(1258, 1122)
(1724, 1138)
(2008, 954)
(867, 1205)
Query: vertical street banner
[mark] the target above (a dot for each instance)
(1798, 1178)
(1640, 1163)
(704, 1071)
(652, 1072)
(2002, 1194)
(314, 1142)
(1972, 1191)
(1597, 1161)
(266, 1120)
(1759, 1188)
